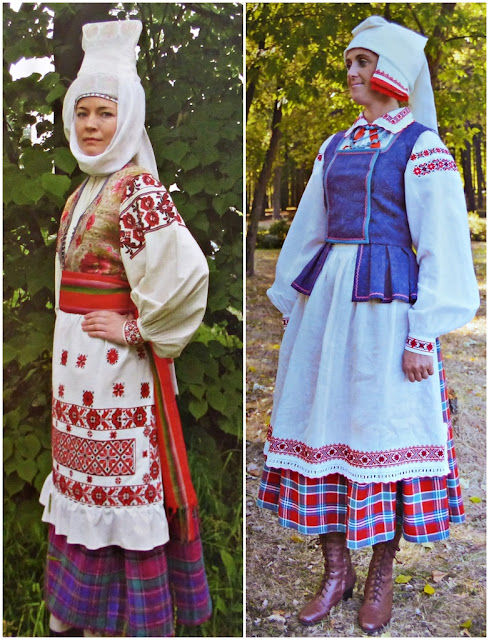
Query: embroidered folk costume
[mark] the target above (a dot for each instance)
(120, 501)
(377, 260)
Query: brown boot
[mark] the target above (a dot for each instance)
(338, 580)
(376, 609)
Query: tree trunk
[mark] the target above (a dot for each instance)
(479, 172)
(467, 172)
(277, 192)
(261, 188)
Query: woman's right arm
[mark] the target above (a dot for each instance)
(303, 240)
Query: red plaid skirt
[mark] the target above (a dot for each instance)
(368, 513)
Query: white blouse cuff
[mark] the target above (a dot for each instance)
(416, 345)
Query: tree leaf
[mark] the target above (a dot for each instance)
(402, 579)
(197, 408)
(30, 446)
(27, 470)
(13, 484)
(228, 562)
(438, 576)
(64, 159)
(216, 399)
(55, 184)
(429, 589)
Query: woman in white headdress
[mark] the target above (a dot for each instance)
(376, 265)
(124, 552)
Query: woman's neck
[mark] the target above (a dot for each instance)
(379, 108)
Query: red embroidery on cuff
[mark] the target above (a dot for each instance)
(131, 333)
(420, 345)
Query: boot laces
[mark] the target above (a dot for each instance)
(327, 578)
(381, 558)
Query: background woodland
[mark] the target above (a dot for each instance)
(190, 62)
(296, 93)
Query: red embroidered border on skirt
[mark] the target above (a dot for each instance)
(368, 512)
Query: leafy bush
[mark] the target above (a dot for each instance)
(477, 227)
(194, 118)
(268, 241)
(279, 229)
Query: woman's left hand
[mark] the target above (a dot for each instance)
(108, 325)
(417, 366)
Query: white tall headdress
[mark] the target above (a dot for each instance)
(109, 69)
(402, 69)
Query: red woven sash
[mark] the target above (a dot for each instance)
(180, 498)
(84, 292)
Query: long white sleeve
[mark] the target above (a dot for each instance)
(306, 235)
(448, 295)
(166, 269)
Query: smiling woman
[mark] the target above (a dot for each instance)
(361, 65)
(375, 266)
(95, 123)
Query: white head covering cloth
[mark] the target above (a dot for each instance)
(402, 64)
(109, 68)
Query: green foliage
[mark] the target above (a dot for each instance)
(190, 64)
(279, 228)
(295, 52)
(477, 226)
(274, 236)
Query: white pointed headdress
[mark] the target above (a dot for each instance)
(109, 70)
(402, 69)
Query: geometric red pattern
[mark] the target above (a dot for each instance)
(360, 459)
(113, 458)
(398, 117)
(439, 164)
(423, 346)
(134, 495)
(102, 419)
(112, 356)
(151, 210)
(428, 152)
(132, 335)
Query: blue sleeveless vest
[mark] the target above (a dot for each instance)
(365, 205)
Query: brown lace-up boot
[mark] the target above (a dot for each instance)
(376, 609)
(338, 580)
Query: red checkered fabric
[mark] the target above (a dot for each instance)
(368, 512)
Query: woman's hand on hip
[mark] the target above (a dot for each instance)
(417, 366)
(108, 325)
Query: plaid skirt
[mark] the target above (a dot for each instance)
(122, 592)
(368, 513)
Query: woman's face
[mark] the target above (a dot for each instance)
(95, 124)
(361, 64)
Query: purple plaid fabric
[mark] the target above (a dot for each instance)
(122, 592)
(368, 512)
